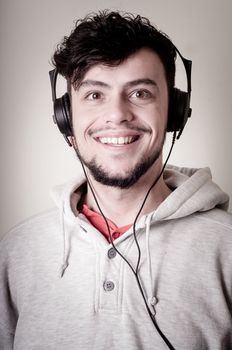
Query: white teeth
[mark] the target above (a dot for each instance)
(116, 140)
(121, 140)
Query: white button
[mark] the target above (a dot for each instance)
(108, 286)
(153, 301)
(111, 253)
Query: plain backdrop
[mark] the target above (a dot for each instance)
(34, 156)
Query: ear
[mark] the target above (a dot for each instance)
(72, 141)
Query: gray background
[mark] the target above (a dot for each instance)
(34, 156)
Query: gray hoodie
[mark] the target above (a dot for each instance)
(62, 288)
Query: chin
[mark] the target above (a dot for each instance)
(121, 180)
(115, 177)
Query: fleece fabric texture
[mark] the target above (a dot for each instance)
(62, 287)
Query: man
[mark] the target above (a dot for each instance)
(135, 256)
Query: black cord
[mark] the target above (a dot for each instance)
(135, 271)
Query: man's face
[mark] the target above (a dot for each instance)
(119, 118)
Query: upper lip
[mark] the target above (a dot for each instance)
(116, 133)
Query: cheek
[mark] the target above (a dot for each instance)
(83, 117)
(156, 117)
(80, 121)
(80, 131)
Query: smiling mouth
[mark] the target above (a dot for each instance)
(118, 140)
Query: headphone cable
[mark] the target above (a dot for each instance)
(135, 271)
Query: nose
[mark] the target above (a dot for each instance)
(118, 111)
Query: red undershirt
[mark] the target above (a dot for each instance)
(98, 222)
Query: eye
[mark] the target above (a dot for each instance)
(95, 95)
(141, 94)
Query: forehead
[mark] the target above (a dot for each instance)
(145, 63)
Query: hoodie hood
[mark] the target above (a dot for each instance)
(192, 191)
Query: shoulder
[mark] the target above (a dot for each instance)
(213, 229)
(36, 226)
(217, 217)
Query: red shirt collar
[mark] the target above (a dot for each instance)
(99, 223)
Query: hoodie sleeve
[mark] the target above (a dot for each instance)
(8, 317)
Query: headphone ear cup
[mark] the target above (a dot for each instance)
(179, 110)
(62, 115)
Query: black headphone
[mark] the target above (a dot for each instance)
(178, 111)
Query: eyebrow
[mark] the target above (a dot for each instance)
(90, 82)
(145, 81)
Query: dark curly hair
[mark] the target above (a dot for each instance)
(109, 38)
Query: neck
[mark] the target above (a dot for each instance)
(122, 205)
